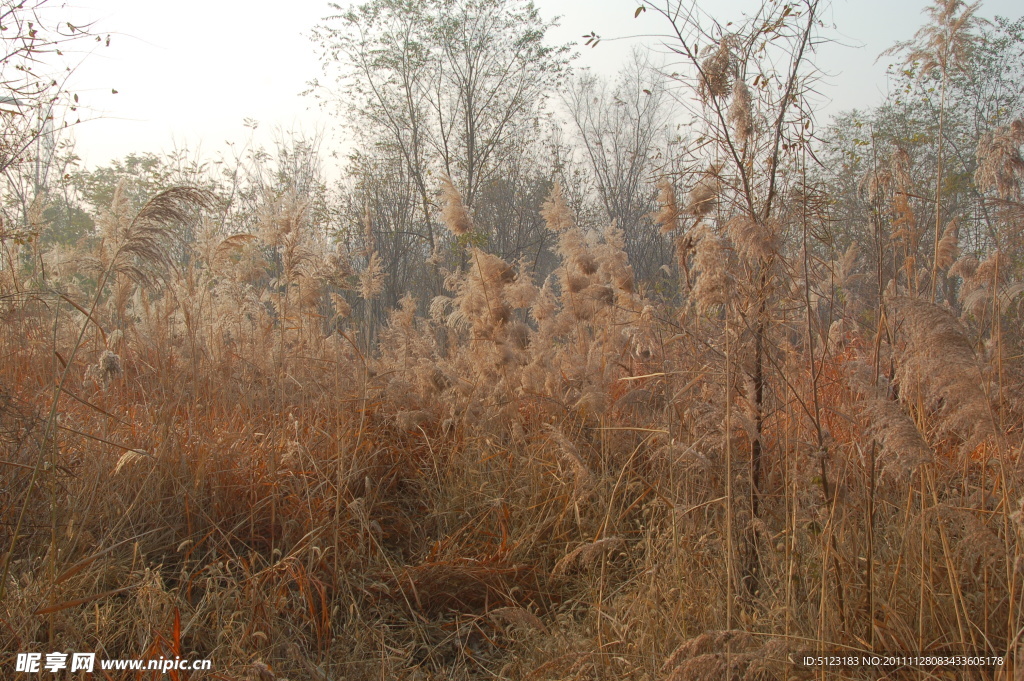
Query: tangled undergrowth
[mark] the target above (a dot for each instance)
(803, 439)
(536, 480)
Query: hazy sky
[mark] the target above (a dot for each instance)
(189, 72)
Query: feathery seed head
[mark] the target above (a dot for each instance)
(519, 335)
(557, 215)
(964, 268)
(586, 263)
(945, 42)
(667, 217)
(753, 239)
(712, 260)
(948, 249)
(575, 283)
(371, 279)
(992, 269)
(604, 295)
(704, 195)
(740, 112)
(493, 269)
(454, 215)
(521, 292)
(1000, 166)
(716, 72)
(341, 307)
(546, 304)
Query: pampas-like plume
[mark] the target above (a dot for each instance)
(480, 299)
(992, 270)
(980, 280)
(546, 304)
(716, 72)
(948, 249)
(148, 240)
(711, 260)
(521, 292)
(370, 240)
(573, 249)
(612, 260)
(107, 367)
(371, 279)
(667, 217)
(282, 221)
(1000, 166)
(740, 112)
(575, 283)
(518, 335)
(341, 307)
(941, 359)
(896, 431)
(704, 195)
(753, 240)
(492, 269)
(454, 214)
(965, 268)
(557, 215)
(945, 41)
(899, 163)
(226, 249)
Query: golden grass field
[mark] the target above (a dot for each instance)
(223, 437)
(549, 481)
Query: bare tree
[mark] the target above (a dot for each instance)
(746, 85)
(623, 129)
(450, 87)
(32, 79)
(942, 46)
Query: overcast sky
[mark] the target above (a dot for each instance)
(188, 73)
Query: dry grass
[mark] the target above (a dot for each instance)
(529, 484)
(210, 448)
